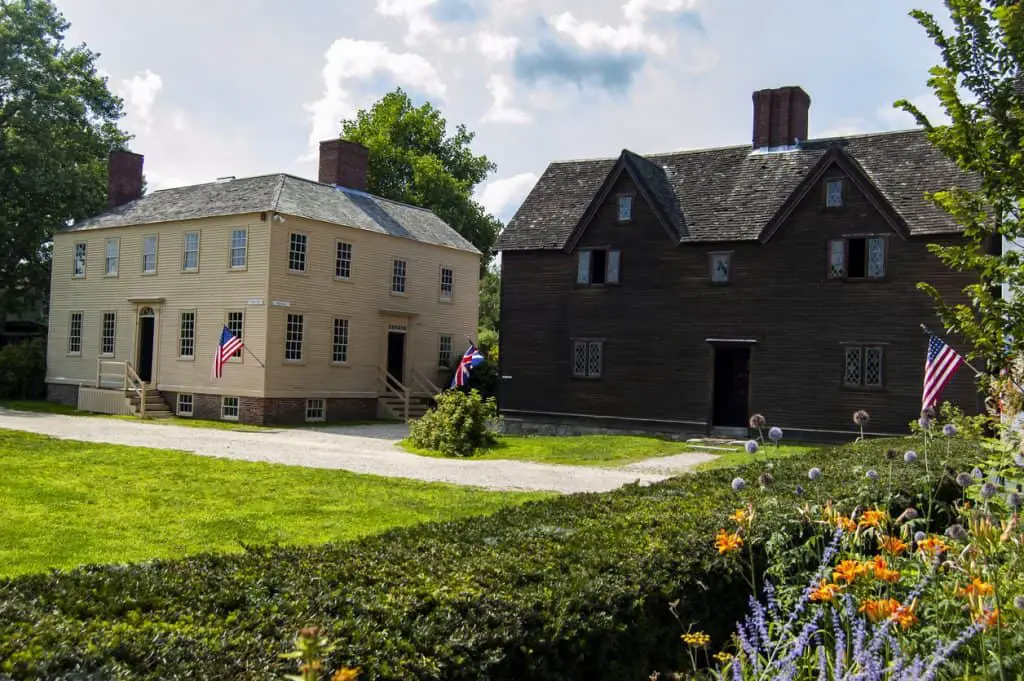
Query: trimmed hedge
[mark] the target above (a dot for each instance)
(572, 588)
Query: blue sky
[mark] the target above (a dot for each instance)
(212, 90)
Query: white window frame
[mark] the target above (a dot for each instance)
(590, 346)
(234, 248)
(399, 276)
(75, 338)
(112, 316)
(230, 404)
(445, 347)
(238, 331)
(624, 208)
(339, 340)
(447, 295)
(146, 240)
(190, 338)
(112, 262)
(342, 260)
(612, 267)
(76, 260)
(298, 251)
(294, 335)
(835, 199)
(179, 408)
(185, 252)
(861, 350)
(316, 410)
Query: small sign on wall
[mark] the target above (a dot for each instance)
(254, 301)
(281, 303)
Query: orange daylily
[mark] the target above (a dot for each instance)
(741, 516)
(844, 523)
(932, 545)
(825, 591)
(873, 518)
(989, 618)
(848, 570)
(976, 588)
(727, 542)
(882, 571)
(904, 615)
(879, 609)
(893, 545)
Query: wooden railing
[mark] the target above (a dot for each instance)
(426, 386)
(125, 377)
(391, 386)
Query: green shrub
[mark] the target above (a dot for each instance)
(23, 370)
(577, 587)
(459, 425)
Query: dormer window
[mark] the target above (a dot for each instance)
(625, 207)
(834, 194)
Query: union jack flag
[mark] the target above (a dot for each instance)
(470, 359)
(229, 345)
(939, 366)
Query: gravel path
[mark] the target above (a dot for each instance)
(360, 449)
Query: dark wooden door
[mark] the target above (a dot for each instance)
(147, 328)
(731, 386)
(396, 355)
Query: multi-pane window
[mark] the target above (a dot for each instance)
(862, 366)
(625, 208)
(857, 258)
(598, 266)
(108, 334)
(586, 358)
(235, 324)
(444, 355)
(229, 408)
(721, 267)
(239, 242)
(398, 277)
(187, 335)
(113, 256)
(149, 254)
(293, 338)
(339, 345)
(343, 261)
(834, 194)
(190, 253)
(447, 282)
(185, 404)
(75, 334)
(78, 264)
(297, 252)
(315, 410)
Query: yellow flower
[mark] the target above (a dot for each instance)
(976, 588)
(882, 571)
(932, 545)
(346, 674)
(727, 543)
(879, 609)
(740, 516)
(825, 591)
(848, 571)
(723, 656)
(893, 545)
(697, 639)
(873, 518)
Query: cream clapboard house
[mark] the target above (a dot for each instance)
(348, 304)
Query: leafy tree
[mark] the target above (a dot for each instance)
(979, 84)
(490, 302)
(58, 124)
(414, 160)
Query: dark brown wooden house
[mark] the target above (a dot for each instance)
(688, 290)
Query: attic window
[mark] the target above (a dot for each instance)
(625, 207)
(834, 194)
(597, 266)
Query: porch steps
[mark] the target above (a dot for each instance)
(155, 405)
(390, 406)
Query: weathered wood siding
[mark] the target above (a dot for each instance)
(657, 361)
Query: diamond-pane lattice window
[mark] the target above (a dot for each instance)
(873, 367)
(586, 359)
(876, 257)
(837, 258)
(852, 366)
(863, 366)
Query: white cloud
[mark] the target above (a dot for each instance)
(348, 61)
(637, 11)
(844, 127)
(416, 15)
(591, 35)
(139, 93)
(502, 198)
(503, 110)
(496, 47)
(896, 119)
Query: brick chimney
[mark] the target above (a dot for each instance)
(780, 116)
(344, 163)
(124, 177)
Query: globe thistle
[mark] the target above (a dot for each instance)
(910, 456)
(814, 473)
(758, 421)
(920, 536)
(871, 475)
(1019, 461)
(956, 532)
(738, 484)
(928, 413)
(799, 491)
(964, 480)
(977, 474)
(925, 423)
(751, 446)
(1013, 500)
(949, 430)
(909, 514)
(775, 434)
(988, 490)
(861, 417)
(1018, 602)
(766, 479)
(892, 454)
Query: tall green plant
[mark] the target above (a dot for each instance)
(458, 426)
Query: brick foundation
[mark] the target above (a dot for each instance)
(279, 411)
(62, 393)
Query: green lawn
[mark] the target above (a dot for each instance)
(737, 456)
(580, 450)
(65, 503)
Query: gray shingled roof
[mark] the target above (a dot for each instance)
(730, 194)
(288, 195)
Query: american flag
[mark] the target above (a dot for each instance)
(470, 359)
(229, 345)
(940, 365)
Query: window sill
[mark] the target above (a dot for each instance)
(446, 301)
(295, 362)
(108, 275)
(316, 420)
(186, 359)
(341, 365)
(239, 268)
(73, 354)
(300, 273)
(184, 415)
(149, 274)
(190, 270)
(228, 418)
(346, 279)
(78, 276)
(398, 294)
(106, 355)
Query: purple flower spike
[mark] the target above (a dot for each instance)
(738, 484)
(775, 434)
(1018, 602)
(751, 446)
(799, 490)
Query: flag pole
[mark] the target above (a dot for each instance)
(964, 359)
(246, 348)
